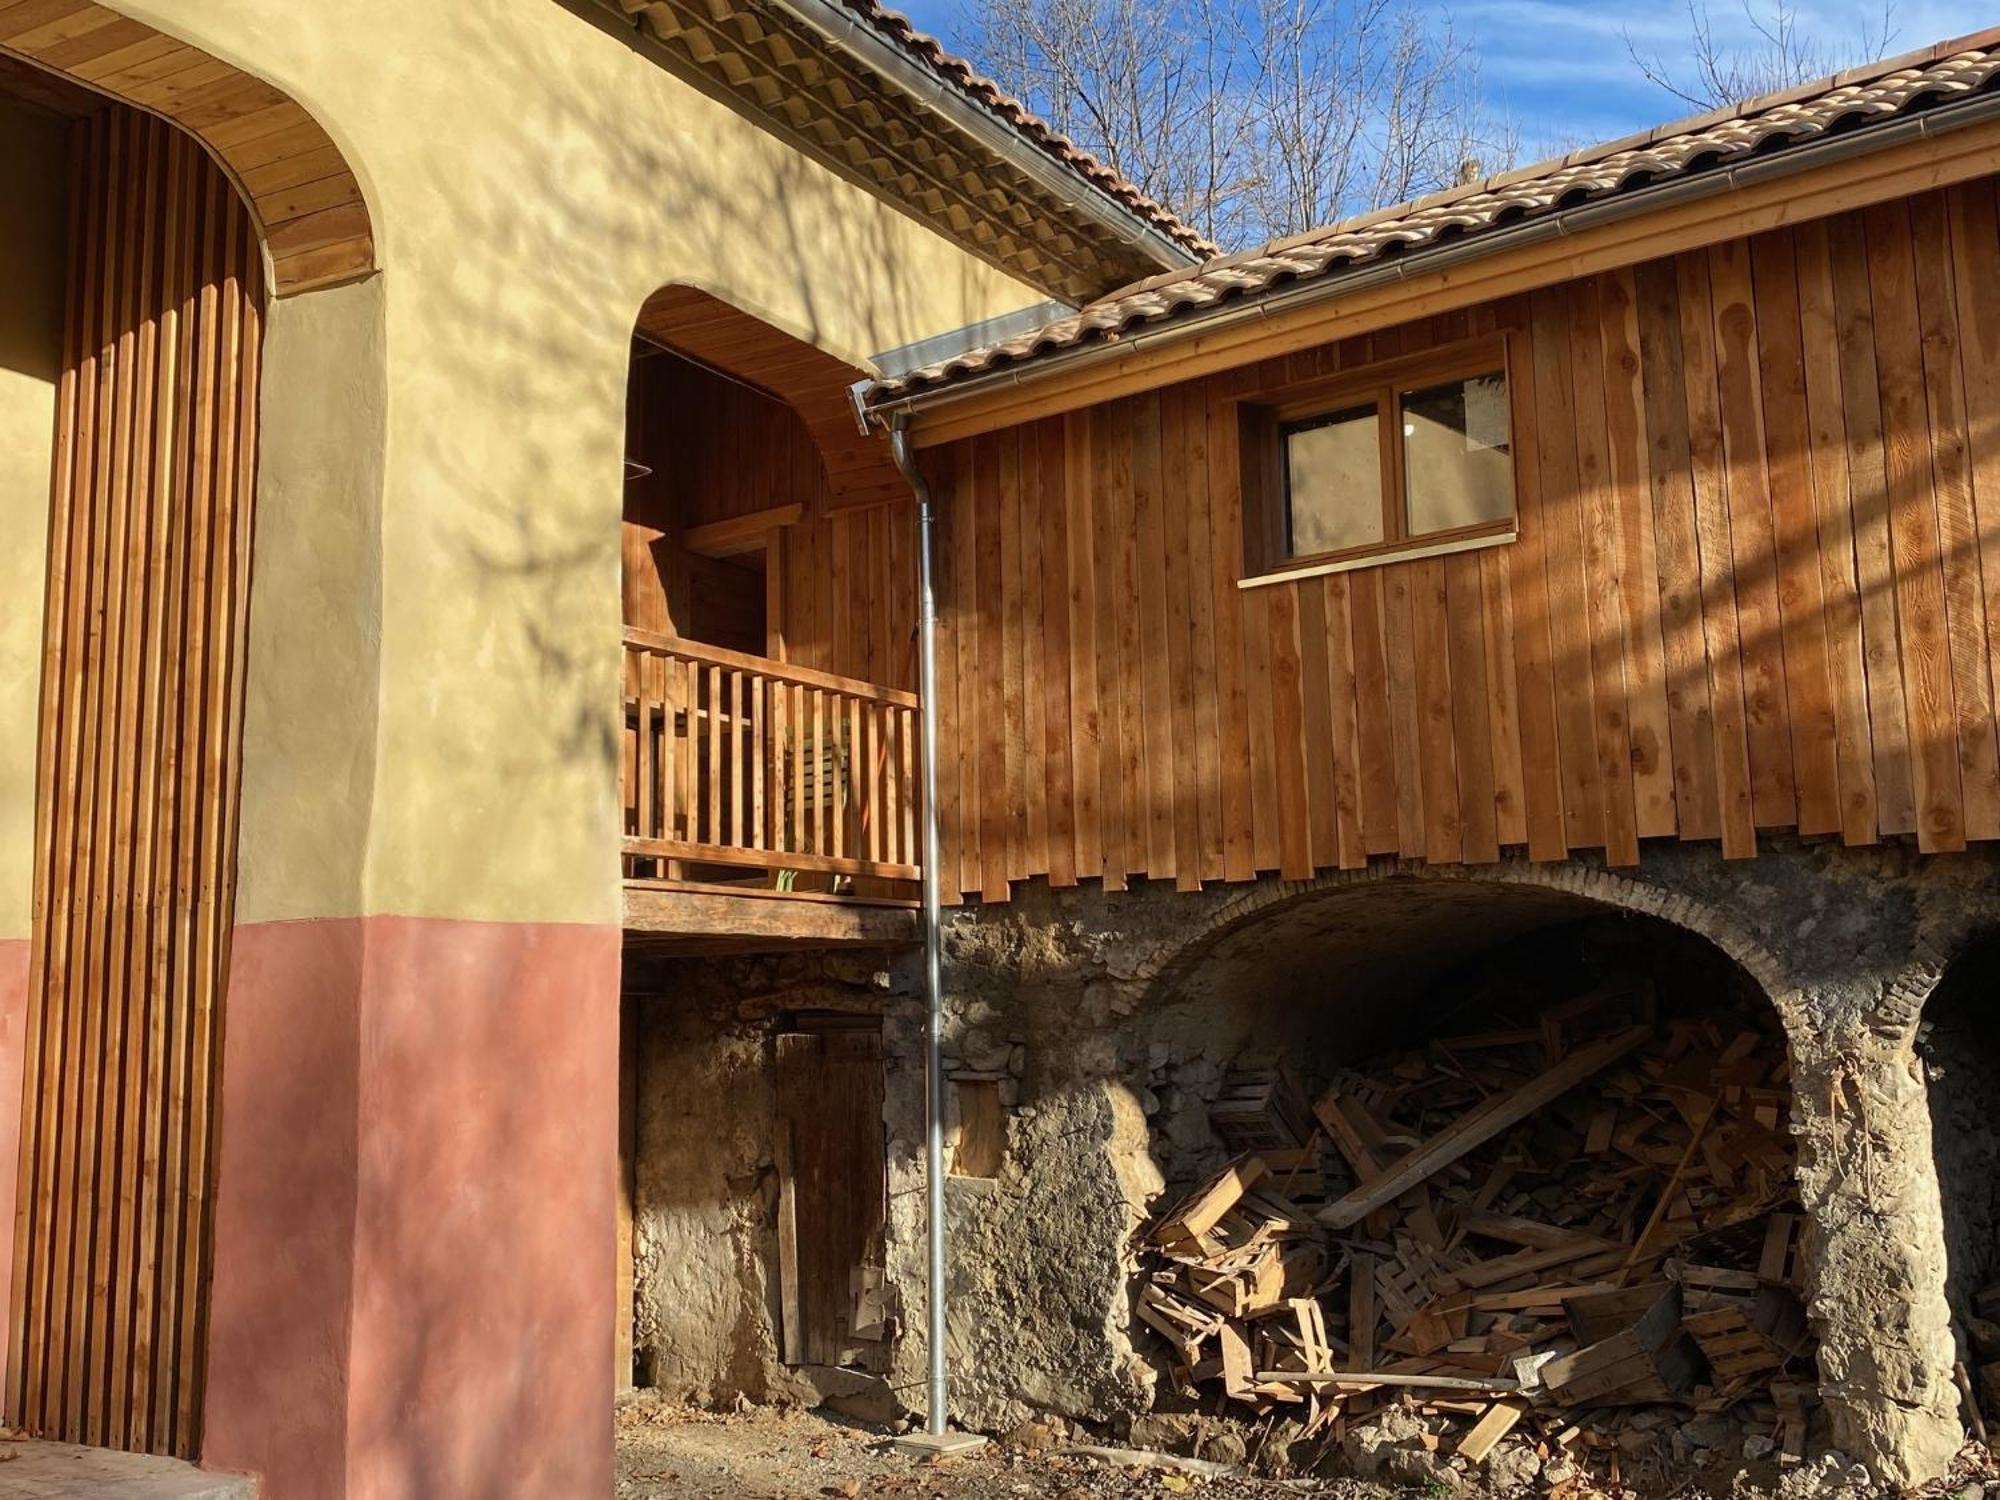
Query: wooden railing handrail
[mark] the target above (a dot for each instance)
(735, 760)
(770, 859)
(654, 643)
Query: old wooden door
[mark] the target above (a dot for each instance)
(833, 1193)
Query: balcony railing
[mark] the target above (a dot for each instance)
(753, 765)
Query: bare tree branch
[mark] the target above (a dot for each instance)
(1252, 118)
(1777, 54)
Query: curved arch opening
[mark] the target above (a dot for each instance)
(1535, 1138)
(768, 725)
(1958, 1040)
(769, 603)
(297, 186)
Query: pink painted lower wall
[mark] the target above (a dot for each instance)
(14, 954)
(414, 1280)
(281, 1315)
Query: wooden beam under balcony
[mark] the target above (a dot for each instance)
(735, 535)
(684, 917)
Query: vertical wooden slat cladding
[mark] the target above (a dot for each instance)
(1913, 529)
(1958, 533)
(1629, 515)
(143, 673)
(1760, 632)
(1562, 505)
(1754, 586)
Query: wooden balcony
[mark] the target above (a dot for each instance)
(765, 804)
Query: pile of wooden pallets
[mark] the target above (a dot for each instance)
(1586, 1212)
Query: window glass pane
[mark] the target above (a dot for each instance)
(1456, 468)
(1333, 481)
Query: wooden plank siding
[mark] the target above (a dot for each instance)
(136, 817)
(1756, 586)
(842, 585)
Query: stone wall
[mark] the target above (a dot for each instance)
(705, 1246)
(1107, 1022)
(1128, 1005)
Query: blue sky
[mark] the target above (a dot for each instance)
(1560, 67)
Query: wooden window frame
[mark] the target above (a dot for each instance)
(1268, 420)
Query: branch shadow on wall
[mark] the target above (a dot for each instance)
(514, 429)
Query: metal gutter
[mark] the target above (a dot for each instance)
(846, 32)
(1683, 189)
(940, 347)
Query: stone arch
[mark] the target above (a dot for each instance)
(1874, 1283)
(303, 196)
(1584, 882)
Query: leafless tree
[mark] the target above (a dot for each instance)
(1777, 51)
(1252, 118)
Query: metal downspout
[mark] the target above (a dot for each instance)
(934, 1418)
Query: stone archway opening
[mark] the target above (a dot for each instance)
(1958, 1043)
(1523, 1153)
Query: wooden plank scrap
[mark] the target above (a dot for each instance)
(1500, 1419)
(1481, 1124)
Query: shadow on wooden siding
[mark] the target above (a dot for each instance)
(1757, 573)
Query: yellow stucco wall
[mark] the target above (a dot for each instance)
(32, 232)
(311, 711)
(532, 179)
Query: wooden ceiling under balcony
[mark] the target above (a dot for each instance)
(811, 381)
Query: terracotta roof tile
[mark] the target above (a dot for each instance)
(1774, 122)
(963, 76)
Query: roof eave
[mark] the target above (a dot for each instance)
(846, 31)
(1555, 225)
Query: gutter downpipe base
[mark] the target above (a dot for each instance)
(935, 1438)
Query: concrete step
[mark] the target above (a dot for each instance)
(49, 1471)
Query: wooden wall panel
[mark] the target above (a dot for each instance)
(842, 587)
(149, 547)
(1756, 586)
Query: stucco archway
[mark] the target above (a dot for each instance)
(303, 196)
(794, 369)
(208, 201)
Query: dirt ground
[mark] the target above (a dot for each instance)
(770, 1453)
(670, 1452)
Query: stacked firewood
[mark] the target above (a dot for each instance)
(1591, 1210)
(1979, 1331)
